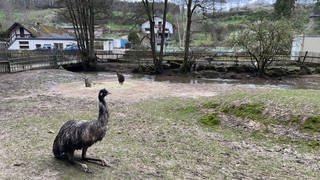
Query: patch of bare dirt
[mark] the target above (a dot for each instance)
(134, 90)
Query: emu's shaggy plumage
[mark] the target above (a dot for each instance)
(120, 78)
(75, 135)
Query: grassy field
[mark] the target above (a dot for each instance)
(46, 16)
(119, 23)
(244, 133)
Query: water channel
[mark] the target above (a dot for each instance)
(302, 82)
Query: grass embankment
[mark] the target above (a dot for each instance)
(295, 112)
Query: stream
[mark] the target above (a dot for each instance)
(301, 82)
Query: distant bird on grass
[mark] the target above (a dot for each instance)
(87, 82)
(74, 135)
(120, 78)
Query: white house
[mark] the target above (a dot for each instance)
(37, 36)
(305, 43)
(145, 28)
(308, 42)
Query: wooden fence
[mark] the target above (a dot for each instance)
(15, 62)
(145, 57)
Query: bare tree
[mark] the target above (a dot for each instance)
(82, 14)
(149, 7)
(264, 40)
(162, 43)
(192, 7)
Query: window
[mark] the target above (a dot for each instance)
(98, 45)
(21, 32)
(58, 46)
(147, 29)
(38, 46)
(24, 44)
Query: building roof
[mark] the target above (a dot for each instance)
(156, 18)
(315, 12)
(43, 31)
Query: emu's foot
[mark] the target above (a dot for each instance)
(104, 163)
(85, 168)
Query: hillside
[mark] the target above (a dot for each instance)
(127, 17)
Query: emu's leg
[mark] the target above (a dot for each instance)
(72, 161)
(84, 157)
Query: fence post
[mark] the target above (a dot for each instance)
(305, 56)
(55, 60)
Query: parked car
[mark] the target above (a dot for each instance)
(71, 47)
(45, 47)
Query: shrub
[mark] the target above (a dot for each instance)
(252, 111)
(133, 38)
(210, 120)
(312, 123)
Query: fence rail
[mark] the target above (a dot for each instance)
(12, 61)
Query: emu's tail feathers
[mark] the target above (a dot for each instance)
(57, 151)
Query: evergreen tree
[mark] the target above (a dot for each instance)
(284, 8)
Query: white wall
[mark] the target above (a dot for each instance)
(108, 45)
(296, 47)
(304, 43)
(117, 43)
(33, 42)
(157, 20)
(16, 31)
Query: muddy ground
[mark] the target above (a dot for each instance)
(142, 141)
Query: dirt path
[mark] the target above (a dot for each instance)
(135, 90)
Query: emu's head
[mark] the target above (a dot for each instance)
(103, 93)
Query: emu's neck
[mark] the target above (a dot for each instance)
(103, 112)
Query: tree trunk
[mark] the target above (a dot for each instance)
(186, 65)
(262, 68)
(150, 13)
(82, 15)
(162, 43)
(153, 43)
(92, 54)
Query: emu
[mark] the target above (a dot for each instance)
(76, 135)
(120, 78)
(87, 82)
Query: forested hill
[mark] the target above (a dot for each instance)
(125, 16)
